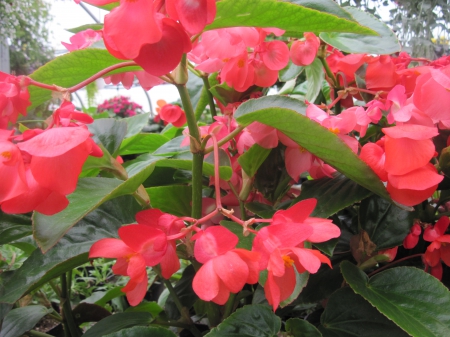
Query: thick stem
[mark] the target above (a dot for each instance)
(70, 327)
(38, 333)
(327, 68)
(212, 105)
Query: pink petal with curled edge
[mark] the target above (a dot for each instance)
(297, 213)
(149, 217)
(323, 230)
(136, 290)
(110, 248)
(170, 263)
(214, 241)
(306, 259)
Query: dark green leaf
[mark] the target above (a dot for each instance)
(385, 43)
(109, 295)
(117, 322)
(109, 132)
(348, 314)
(140, 331)
(262, 210)
(314, 77)
(290, 72)
(20, 320)
(152, 307)
(93, 26)
(301, 328)
(173, 199)
(386, 224)
(416, 301)
(142, 143)
(321, 285)
(284, 114)
(68, 70)
(14, 227)
(249, 321)
(251, 160)
(332, 194)
(135, 124)
(71, 251)
(327, 247)
(245, 242)
(90, 193)
(4, 309)
(283, 15)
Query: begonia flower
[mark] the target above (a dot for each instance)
(82, 40)
(193, 15)
(412, 238)
(170, 113)
(439, 249)
(303, 52)
(14, 98)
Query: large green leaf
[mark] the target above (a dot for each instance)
(71, 251)
(21, 320)
(14, 227)
(332, 194)
(109, 132)
(285, 114)
(326, 6)
(68, 70)
(251, 160)
(290, 72)
(301, 328)
(315, 77)
(140, 331)
(90, 193)
(385, 43)
(416, 301)
(249, 321)
(117, 322)
(283, 15)
(348, 314)
(135, 124)
(173, 199)
(386, 224)
(142, 143)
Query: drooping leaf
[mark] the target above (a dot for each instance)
(332, 194)
(385, 43)
(21, 320)
(386, 224)
(173, 199)
(142, 143)
(90, 193)
(416, 301)
(290, 72)
(135, 124)
(13, 227)
(117, 322)
(109, 132)
(68, 70)
(140, 331)
(172, 147)
(301, 328)
(251, 160)
(285, 114)
(249, 321)
(245, 242)
(283, 15)
(348, 314)
(71, 251)
(315, 77)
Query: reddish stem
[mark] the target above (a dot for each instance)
(216, 172)
(395, 262)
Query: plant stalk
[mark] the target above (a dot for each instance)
(70, 327)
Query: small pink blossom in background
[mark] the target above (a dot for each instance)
(83, 39)
(172, 114)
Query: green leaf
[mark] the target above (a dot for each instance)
(109, 132)
(142, 143)
(68, 70)
(416, 301)
(301, 328)
(348, 314)
(226, 94)
(283, 15)
(117, 322)
(249, 321)
(71, 251)
(290, 72)
(327, 247)
(314, 77)
(135, 124)
(140, 331)
(251, 160)
(14, 227)
(386, 224)
(332, 194)
(109, 295)
(194, 87)
(172, 147)
(152, 307)
(203, 101)
(326, 6)
(90, 193)
(285, 114)
(245, 242)
(173, 199)
(21, 320)
(262, 210)
(93, 26)
(385, 43)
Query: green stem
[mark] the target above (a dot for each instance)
(70, 327)
(194, 131)
(197, 185)
(229, 306)
(38, 333)
(328, 71)
(55, 288)
(212, 104)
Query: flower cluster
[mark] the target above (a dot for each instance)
(279, 248)
(119, 106)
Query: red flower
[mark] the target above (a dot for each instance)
(172, 114)
(439, 249)
(14, 98)
(303, 52)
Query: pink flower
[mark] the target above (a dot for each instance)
(439, 249)
(173, 114)
(82, 40)
(303, 52)
(412, 238)
(14, 98)
(193, 15)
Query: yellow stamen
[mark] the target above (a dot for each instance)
(288, 262)
(7, 155)
(334, 130)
